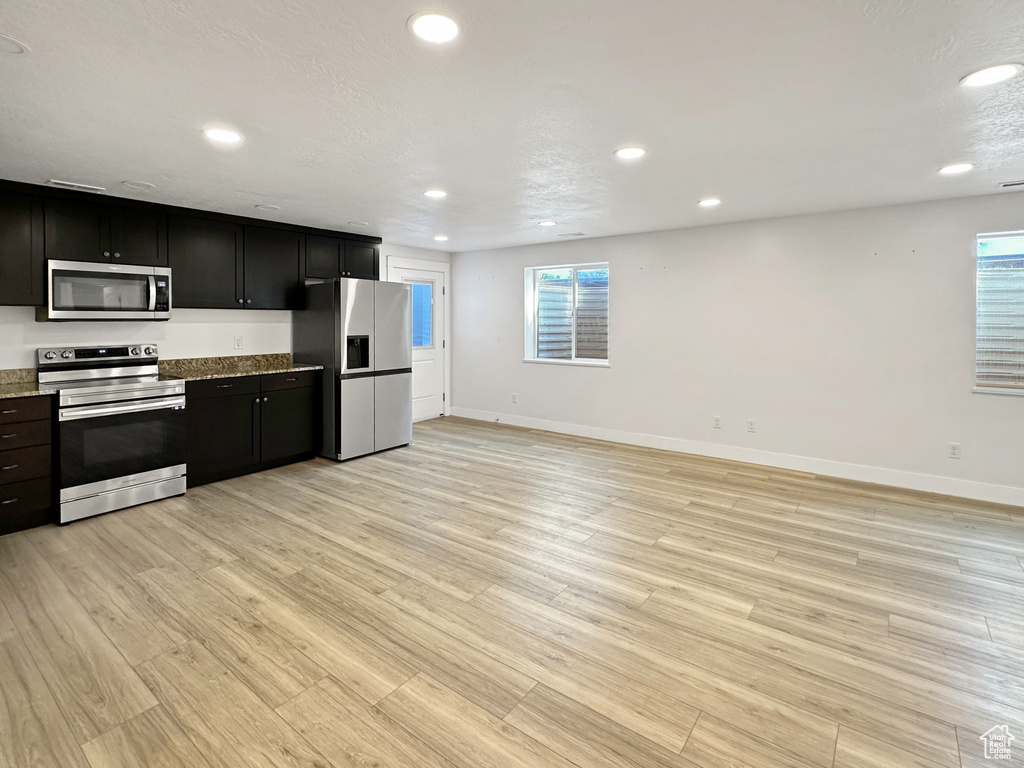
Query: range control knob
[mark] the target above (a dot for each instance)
(67, 354)
(50, 355)
(150, 350)
(135, 351)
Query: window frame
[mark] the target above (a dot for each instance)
(531, 297)
(990, 388)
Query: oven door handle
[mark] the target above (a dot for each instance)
(152, 293)
(92, 412)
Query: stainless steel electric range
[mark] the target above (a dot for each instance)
(121, 429)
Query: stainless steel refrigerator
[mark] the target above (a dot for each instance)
(360, 331)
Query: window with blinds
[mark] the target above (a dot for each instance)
(567, 313)
(999, 348)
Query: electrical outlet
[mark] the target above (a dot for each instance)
(954, 451)
(716, 422)
(751, 426)
(515, 398)
(238, 342)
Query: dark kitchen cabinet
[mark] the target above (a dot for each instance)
(26, 464)
(206, 263)
(329, 257)
(272, 276)
(247, 423)
(22, 262)
(91, 231)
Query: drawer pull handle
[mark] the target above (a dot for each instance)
(7, 437)
(293, 378)
(8, 501)
(225, 386)
(8, 413)
(11, 466)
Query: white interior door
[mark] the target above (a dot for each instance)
(429, 345)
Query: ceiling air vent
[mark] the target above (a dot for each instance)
(75, 186)
(1011, 184)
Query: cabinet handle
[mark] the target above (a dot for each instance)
(8, 437)
(117, 255)
(248, 301)
(293, 378)
(225, 386)
(7, 413)
(241, 301)
(265, 399)
(11, 466)
(8, 501)
(106, 254)
(257, 400)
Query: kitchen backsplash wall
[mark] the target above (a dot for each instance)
(190, 333)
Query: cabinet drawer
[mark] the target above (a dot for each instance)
(276, 381)
(238, 385)
(22, 435)
(24, 409)
(25, 505)
(24, 464)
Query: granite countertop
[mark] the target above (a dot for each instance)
(21, 382)
(195, 368)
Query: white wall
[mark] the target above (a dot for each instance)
(190, 333)
(848, 337)
(408, 252)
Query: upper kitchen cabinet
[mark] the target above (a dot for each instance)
(272, 272)
(206, 262)
(78, 230)
(22, 268)
(328, 257)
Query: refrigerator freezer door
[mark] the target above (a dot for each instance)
(355, 320)
(392, 327)
(393, 407)
(356, 422)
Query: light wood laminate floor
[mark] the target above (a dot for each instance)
(499, 597)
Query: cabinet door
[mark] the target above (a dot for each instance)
(22, 268)
(324, 256)
(290, 426)
(205, 257)
(272, 259)
(223, 435)
(77, 231)
(138, 237)
(361, 260)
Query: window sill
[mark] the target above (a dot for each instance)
(998, 391)
(581, 363)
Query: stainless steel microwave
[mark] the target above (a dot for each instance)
(79, 290)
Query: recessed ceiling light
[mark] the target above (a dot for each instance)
(992, 75)
(630, 153)
(709, 202)
(139, 186)
(434, 27)
(955, 168)
(14, 47)
(223, 136)
(441, 238)
(359, 223)
(547, 223)
(268, 207)
(435, 194)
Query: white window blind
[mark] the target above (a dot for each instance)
(999, 359)
(567, 312)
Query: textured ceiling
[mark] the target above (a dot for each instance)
(780, 107)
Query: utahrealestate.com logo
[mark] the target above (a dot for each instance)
(997, 743)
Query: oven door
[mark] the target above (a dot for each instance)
(113, 445)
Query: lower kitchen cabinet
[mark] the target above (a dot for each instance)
(26, 464)
(248, 423)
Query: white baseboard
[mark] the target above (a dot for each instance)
(949, 486)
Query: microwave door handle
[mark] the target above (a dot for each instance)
(152, 293)
(92, 412)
